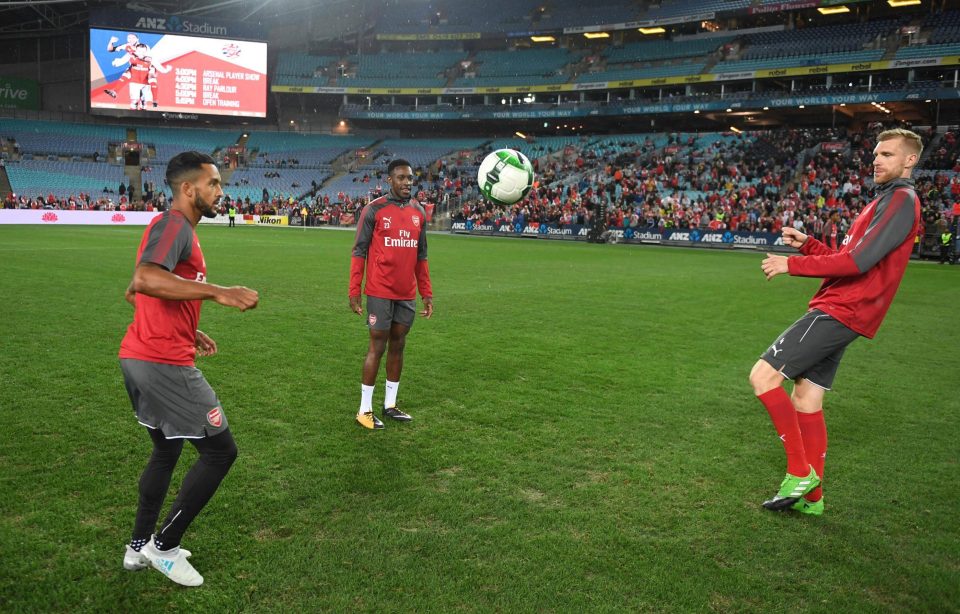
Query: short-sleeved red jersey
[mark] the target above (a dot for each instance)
(162, 330)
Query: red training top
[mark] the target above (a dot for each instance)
(862, 277)
(162, 330)
(392, 245)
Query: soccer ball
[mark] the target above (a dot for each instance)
(505, 176)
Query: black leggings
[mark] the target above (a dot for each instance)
(217, 454)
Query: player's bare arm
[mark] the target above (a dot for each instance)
(356, 305)
(154, 280)
(793, 237)
(774, 265)
(427, 307)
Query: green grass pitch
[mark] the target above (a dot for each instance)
(584, 437)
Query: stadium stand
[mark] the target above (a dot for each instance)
(653, 72)
(64, 179)
(813, 59)
(649, 51)
(826, 40)
(61, 139)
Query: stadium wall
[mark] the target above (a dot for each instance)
(62, 83)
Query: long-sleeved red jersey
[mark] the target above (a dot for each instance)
(862, 277)
(392, 245)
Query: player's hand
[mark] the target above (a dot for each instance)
(205, 345)
(356, 305)
(427, 308)
(114, 39)
(774, 265)
(793, 237)
(119, 62)
(238, 296)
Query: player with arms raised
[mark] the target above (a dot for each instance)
(859, 283)
(391, 244)
(127, 49)
(142, 75)
(169, 394)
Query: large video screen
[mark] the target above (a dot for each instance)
(147, 72)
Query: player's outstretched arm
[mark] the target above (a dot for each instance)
(805, 243)
(118, 62)
(154, 280)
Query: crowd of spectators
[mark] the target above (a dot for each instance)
(758, 182)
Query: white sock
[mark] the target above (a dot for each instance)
(390, 399)
(366, 399)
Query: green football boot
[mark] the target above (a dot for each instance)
(811, 508)
(792, 488)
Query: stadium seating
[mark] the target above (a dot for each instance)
(946, 27)
(61, 138)
(671, 9)
(648, 51)
(64, 179)
(451, 17)
(572, 13)
(826, 40)
(799, 60)
(251, 182)
(310, 150)
(524, 62)
(168, 142)
(653, 72)
(927, 51)
(302, 64)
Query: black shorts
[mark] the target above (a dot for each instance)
(177, 400)
(810, 349)
(383, 312)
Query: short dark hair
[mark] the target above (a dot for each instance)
(398, 162)
(184, 164)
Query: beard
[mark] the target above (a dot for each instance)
(206, 210)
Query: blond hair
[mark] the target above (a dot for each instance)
(912, 140)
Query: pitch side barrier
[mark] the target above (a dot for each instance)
(725, 239)
(52, 217)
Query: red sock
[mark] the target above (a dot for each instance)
(814, 431)
(784, 417)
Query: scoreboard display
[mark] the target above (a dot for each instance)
(142, 71)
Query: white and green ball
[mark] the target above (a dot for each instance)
(505, 176)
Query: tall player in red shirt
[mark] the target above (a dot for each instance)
(859, 283)
(169, 394)
(391, 245)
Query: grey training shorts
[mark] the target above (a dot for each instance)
(811, 349)
(177, 400)
(383, 312)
